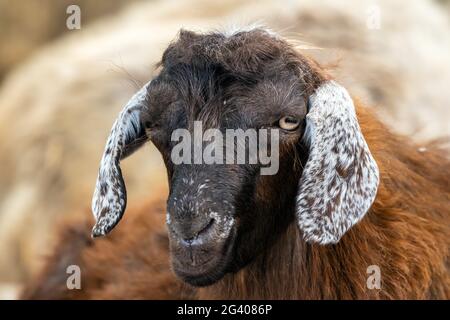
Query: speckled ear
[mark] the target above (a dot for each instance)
(127, 135)
(340, 179)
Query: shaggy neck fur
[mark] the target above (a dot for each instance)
(405, 234)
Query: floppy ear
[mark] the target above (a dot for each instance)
(127, 135)
(340, 179)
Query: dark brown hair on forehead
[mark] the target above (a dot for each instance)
(250, 54)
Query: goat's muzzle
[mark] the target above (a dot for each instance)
(201, 234)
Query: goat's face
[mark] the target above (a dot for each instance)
(220, 215)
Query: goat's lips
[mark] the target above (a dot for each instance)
(203, 260)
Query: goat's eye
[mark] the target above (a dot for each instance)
(289, 123)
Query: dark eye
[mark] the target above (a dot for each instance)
(289, 123)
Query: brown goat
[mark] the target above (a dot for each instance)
(277, 246)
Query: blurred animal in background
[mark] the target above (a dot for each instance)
(349, 193)
(57, 106)
(27, 25)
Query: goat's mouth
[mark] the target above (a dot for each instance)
(204, 260)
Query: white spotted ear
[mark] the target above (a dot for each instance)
(127, 135)
(340, 179)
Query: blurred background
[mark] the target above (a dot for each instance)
(61, 89)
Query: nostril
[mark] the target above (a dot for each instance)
(189, 237)
(206, 227)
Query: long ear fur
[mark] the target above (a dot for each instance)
(340, 179)
(127, 135)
